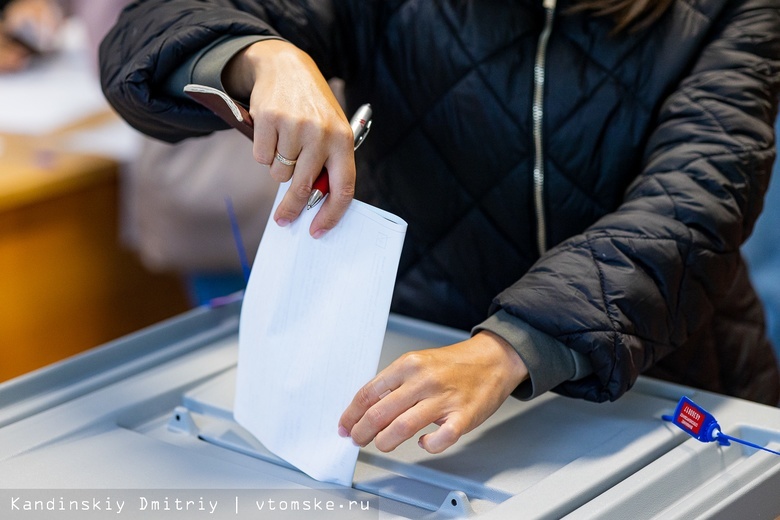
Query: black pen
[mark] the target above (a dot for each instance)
(361, 124)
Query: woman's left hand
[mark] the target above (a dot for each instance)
(456, 387)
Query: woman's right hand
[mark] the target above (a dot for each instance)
(295, 114)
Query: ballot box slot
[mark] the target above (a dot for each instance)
(423, 495)
(228, 435)
(210, 406)
(524, 447)
(386, 470)
(428, 486)
(225, 434)
(433, 495)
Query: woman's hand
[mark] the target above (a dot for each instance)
(295, 114)
(457, 387)
(34, 22)
(26, 27)
(13, 56)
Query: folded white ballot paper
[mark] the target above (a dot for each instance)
(312, 325)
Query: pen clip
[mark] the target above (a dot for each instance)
(363, 134)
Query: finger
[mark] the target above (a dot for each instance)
(386, 412)
(403, 371)
(445, 435)
(406, 425)
(287, 149)
(284, 162)
(274, 131)
(307, 168)
(341, 192)
(370, 394)
(264, 142)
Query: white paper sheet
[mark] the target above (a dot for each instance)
(312, 325)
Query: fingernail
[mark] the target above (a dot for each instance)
(283, 222)
(319, 233)
(343, 432)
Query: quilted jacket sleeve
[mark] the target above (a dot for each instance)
(152, 39)
(643, 279)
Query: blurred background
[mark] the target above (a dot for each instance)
(103, 231)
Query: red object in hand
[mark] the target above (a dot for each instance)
(321, 183)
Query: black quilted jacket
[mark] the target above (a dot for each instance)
(656, 149)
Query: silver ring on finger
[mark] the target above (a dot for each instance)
(284, 160)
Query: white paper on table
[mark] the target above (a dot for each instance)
(311, 331)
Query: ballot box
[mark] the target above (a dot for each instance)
(143, 428)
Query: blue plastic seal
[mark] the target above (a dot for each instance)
(700, 424)
(695, 420)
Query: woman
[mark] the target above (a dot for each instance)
(584, 172)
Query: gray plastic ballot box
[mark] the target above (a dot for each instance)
(142, 428)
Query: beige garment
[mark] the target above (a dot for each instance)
(175, 209)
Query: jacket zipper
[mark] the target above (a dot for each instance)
(538, 116)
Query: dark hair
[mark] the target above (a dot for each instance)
(631, 15)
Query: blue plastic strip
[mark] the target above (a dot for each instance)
(724, 439)
(700, 424)
(237, 238)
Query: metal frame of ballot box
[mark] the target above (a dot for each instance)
(148, 419)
